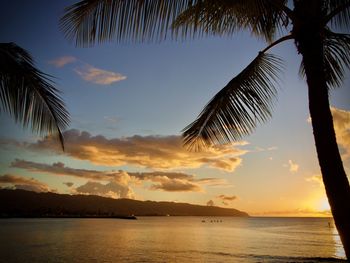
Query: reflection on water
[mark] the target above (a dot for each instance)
(169, 239)
(339, 250)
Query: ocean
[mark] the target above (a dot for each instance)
(170, 239)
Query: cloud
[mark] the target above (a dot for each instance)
(293, 167)
(154, 152)
(229, 164)
(89, 73)
(98, 76)
(176, 185)
(165, 181)
(62, 61)
(316, 179)
(19, 182)
(210, 203)
(341, 120)
(111, 119)
(111, 189)
(227, 199)
(60, 169)
(213, 182)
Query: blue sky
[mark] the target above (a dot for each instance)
(155, 91)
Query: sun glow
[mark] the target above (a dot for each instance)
(317, 205)
(323, 205)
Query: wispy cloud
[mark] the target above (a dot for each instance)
(293, 167)
(111, 119)
(88, 72)
(19, 182)
(98, 76)
(62, 61)
(315, 179)
(154, 152)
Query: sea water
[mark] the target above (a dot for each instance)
(170, 239)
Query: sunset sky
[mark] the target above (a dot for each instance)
(128, 105)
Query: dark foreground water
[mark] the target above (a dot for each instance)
(170, 239)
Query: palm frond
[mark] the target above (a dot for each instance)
(91, 21)
(338, 13)
(336, 58)
(236, 110)
(28, 95)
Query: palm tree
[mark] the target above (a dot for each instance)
(246, 100)
(27, 94)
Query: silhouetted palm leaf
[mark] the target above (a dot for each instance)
(336, 58)
(235, 110)
(89, 21)
(224, 17)
(339, 13)
(27, 93)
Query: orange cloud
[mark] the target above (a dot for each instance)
(166, 181)
(316, 179)
(62, 61)
(20, 182)
(98, 76)
(111, 189)
(155, 152)
(176, 185)
(341, 120)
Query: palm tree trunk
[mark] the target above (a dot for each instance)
(333, 174)
(310, 44)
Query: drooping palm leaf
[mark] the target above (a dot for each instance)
(89, 21)
(223, 17)
(338, 13)
(236, 110)
(336, 58)
(28, 95)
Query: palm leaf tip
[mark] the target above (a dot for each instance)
(236, 110)
(28, 95)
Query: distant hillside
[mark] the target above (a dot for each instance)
(20, 203)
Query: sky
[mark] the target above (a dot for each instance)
(128, 104)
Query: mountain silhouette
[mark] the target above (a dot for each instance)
(22, 203)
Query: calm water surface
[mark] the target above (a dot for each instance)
(170, 239)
